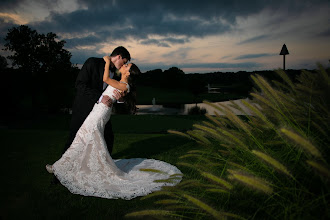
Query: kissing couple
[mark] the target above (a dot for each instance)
(86, 166)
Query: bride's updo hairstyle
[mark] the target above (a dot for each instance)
(130, 98)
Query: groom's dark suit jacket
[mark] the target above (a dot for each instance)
(89, 86)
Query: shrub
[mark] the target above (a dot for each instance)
(196, 110)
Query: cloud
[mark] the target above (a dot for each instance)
(122, 20)
(140, 19)
(178, 54)
(171, 26)
(159, 43)
(164, 42)
(252, 56)
(82, 41)
(6, 4)
(325, 33)
(254, 39)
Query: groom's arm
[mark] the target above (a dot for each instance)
(84, 82)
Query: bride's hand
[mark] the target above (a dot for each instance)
(117, 95)
(106, 59)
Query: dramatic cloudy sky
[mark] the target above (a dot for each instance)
(196, 36)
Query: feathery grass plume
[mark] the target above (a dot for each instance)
(223, 120)
(278, 100)
(292, 105)
(214, 120)
(161, 193)
(191, 183)
(227, 146)
(190, 155)
(320, 168)
(179, 133)
(268, 87)
(267, 94)
(212, 132)
(168, 201)
(199, 137)
(224, 152)
(233, 215)
(320, 129)
(263, 100)
(176, 207)
(268, 159)
(237, 166)
(169, 180)
(200, 158)
(208, 124)
(258, 113)
(187, 182)
(285, 77)
(216, 179)
(197, 152)
(232, 138)
(251, 181)
(238, 107)
(187, 165)
(197, 156)
(283, 86)
(176, 174)
(271, 95)
(217, 190)
(309, 90)
(170, 189)
(153, 213)
(305, 144)
(153, 171)
(214, 106)
(205, 207)
(198, 184)
(236, 120)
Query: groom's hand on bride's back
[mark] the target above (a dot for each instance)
(108, 102)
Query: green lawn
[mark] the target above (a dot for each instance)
(26, 191)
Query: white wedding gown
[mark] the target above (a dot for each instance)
(87, 168)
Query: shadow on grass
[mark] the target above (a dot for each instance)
(149, 148)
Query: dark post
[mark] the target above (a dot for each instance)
(284, 52)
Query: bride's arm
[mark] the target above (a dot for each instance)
(108, 80)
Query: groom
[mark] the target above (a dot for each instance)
(89, 86)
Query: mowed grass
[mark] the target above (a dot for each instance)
(27, 192)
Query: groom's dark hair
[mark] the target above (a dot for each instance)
(122, 51)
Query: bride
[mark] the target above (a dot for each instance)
(87, 168)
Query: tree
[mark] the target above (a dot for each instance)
(44, 60)
(196, 85)
(36, 52)
(3, 63)
(173, 78)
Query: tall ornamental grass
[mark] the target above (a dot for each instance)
(272, 165)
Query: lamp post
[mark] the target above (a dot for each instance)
(284, 52)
